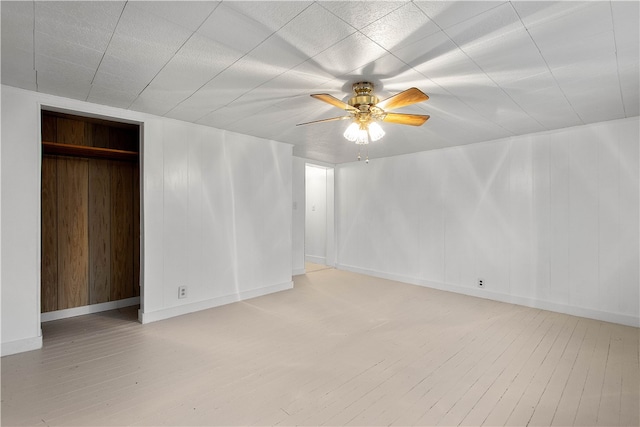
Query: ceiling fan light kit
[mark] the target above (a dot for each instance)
(366, 111)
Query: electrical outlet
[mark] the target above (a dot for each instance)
(480, 283)
(182, 292)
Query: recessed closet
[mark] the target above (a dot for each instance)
(90, 211)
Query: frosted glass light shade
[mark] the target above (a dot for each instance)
(351, 133)
(375, 131)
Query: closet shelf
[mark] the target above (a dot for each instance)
(57, 149)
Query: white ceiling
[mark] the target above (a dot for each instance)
(492, 69)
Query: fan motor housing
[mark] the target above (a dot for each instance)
(363, 99)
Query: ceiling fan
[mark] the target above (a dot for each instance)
(366, 110)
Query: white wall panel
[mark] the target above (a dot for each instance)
(20, 220)
(431, 228)
(559, 221)
(583, 220)
(541, 238)
(216, 214)
(548, 220)
(629, 288)
(521, 218)
(152, 200)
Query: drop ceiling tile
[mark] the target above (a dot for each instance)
(127, 55)
(154, 32)
(592, 49)
(112, 97)
(241, 77)
(231, 28)
(448, 13)
(187, 113)
(70, 52)
(349, 55)
(273, 15)
(509, 58)
(359, 14)
(187, 14)
(18, 68)
(315, 69)
(61, 86)
(55, 23)
(157, 100)
(61, 71)
(129, 82)
(278, 53)
(314, 30)
(585, 20)
(197, 62)
(402, 27)
(225, 116)
(606, 107)
(17, 25)
(536, 12)
(85, 14)
(625, 25)
(287, 88)
(497, 23)
(436, 49)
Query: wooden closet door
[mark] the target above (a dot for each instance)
(121, 230)
(49, 230)
(73, 241)
(99, 231)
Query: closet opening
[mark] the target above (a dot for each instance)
(90, 215)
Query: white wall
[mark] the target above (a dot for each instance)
(548, 220)
(216, 213)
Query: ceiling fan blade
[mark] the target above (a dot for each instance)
(330, 99)
(407, 97)
(333, 119)
(405, 119)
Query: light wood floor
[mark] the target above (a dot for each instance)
(340, 348)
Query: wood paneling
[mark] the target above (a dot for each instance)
(73, 245)
(71, 132)
(99, 231)
(121, 230)
(49, 128)
(123, 139)
(99, 135)
(90, 211)
(49, 227)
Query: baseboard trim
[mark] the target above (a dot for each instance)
(20, 346)
(298, 271)
(88, 309)
(605, 316)
(167, 313)
(315, 259)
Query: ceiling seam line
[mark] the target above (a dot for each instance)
(172, 56)
(615, 46)
(105, 50)
(237, 60)
(555, 80)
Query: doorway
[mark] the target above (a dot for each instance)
(90, 211)
(319, 217)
